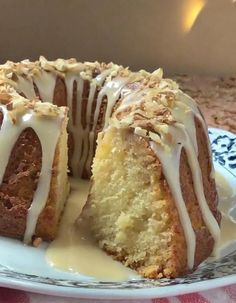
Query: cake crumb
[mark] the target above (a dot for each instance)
(37, 242)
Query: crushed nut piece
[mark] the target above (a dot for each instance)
(37, 242)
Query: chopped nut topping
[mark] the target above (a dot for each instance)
(152, 104)
(5, 98)
(140, 131)
(37, 242)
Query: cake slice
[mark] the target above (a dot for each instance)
(153, 200)
(33, 167)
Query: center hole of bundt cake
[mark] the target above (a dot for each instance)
(127, 209)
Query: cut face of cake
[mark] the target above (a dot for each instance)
(33, 167)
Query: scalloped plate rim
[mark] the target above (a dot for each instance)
(116, 294)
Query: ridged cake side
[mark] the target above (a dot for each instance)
(33, 168)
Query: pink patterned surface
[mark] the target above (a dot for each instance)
(220, 295)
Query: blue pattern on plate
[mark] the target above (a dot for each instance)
(223, 146)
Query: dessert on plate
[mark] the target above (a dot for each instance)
(153, 200)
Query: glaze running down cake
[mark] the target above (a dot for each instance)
(153, 200)
(33, 166)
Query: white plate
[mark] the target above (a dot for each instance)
(25, 268)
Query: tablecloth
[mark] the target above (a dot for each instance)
(220, 295)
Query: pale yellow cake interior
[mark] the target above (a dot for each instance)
(126, 206)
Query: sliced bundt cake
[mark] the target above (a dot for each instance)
(153, 200)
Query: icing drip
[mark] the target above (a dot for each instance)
(88, 152)
(84, 137)
(48, 133)
(208, 217)
(77, 129)
(25, 86)
(95, 84)
(184, 112)
(170, 161)
(111, 90)
(69, 82)
(45, 83)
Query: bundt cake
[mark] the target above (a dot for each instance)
(153, 201)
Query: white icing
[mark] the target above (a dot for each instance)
(84, 138)
(207, 215)
(95, 84)
(111, 89)
(25, 86)
(88, 152)
(170, 165)
(75, 127)
(185, 112)
(45, 82)
(48, 132)
(69, 82)
(80, 135)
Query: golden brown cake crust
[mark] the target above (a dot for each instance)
(19, 184)
(18, 187)
(48, 221)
